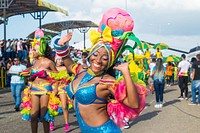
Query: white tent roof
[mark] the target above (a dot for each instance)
(193, 54)
(80, 45)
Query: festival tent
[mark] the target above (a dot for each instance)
(57, 27)
(80, 45)
(193, 52)
(18, 7)
(197, 48)
(37, 8)
(69, 24)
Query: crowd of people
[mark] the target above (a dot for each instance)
(168, 73)
(98, 83)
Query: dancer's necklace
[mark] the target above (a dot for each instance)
(89, 76)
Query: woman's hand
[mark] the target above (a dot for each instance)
(124, 67)
(65, 39)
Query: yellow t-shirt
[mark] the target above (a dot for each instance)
(147, 54)
(158, 54)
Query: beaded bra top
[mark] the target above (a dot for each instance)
(85, 94)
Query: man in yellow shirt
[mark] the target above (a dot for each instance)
(147, 53)
(159, 54)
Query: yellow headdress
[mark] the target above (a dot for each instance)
(114, 31)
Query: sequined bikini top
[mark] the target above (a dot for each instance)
(85, 94)
(34, 71)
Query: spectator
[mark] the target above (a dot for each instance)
(3, 62)
(183, 68)
(8, 49)
(173, 73)
(25, 49)
(159, 53)
(19, 49)
(84, 59)
(191, 65)
(150, 80)
(8, 75)
(17, 83)
(147, 53)
(169, 71)
(13, 48)
(195, 80)
(159, 82)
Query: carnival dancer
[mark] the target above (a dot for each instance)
(39, 91)
(64, 80)
(92, 87)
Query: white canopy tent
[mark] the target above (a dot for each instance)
(80, 45)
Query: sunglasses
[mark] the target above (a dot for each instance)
(15, 60)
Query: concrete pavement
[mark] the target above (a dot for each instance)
(175, 117)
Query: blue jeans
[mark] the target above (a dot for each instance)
(195, 86)
(13, 54)
(159, 88)
(16, 90)
(8, 55)
(24, 54)
(20, 54)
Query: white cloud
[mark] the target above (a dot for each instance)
(151, 19)
(166, 4)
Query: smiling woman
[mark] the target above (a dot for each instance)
(93, 86)
(99, 60)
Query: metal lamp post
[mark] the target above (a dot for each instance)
(4, 4)
(84, 30)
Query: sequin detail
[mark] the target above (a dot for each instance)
(87, 95)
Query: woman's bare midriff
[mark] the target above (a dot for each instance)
(39, 81)
(94, 114)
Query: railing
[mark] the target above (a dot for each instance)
(2, 77)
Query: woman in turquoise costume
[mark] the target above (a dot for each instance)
(38, 93)
(92, 87)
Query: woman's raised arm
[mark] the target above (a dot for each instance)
(62, 49)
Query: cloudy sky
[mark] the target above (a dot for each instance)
(174, 22)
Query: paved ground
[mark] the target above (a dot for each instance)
(175, 117)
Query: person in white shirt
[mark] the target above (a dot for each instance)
(183, 69)
(150, 80)
(17, 83)
(19, 49)
(8, 48)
